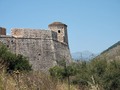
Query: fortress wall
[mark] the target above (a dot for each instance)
(9, 41)
(31, 33)
(48, 55)
(2, 31)
(37, 46)
(41, 47)
(40, 51)
(54, 35)
(62, 52)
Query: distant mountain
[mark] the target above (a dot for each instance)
(85, 55)
(112, 53)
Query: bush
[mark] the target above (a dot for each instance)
(12, 61)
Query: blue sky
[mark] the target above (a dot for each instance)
(93, 25)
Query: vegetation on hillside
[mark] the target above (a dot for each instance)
(97, 74)
(29, 81)
(13, 75)
(62, 72)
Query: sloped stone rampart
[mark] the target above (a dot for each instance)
(41, 47)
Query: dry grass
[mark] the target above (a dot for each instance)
(29, 81)
(64, 86)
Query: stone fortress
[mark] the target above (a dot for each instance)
(43, 48)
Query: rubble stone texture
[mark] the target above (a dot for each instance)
(43, 48)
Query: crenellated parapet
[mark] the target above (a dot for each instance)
(33, 33)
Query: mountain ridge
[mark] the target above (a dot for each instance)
(112, 53)
(83, 55)
(111, 47)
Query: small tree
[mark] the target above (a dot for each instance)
(63, 71)
(13, 61)
(56, 72)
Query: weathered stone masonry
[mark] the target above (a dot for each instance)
(42, 47)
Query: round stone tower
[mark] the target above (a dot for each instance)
(61, 30)
(2, 31)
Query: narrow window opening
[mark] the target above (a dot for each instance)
(7, 45)
(58, 31)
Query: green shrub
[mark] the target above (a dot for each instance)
(12, 61)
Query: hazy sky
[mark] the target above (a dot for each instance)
(93, 25)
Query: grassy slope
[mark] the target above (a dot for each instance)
(29, 81)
